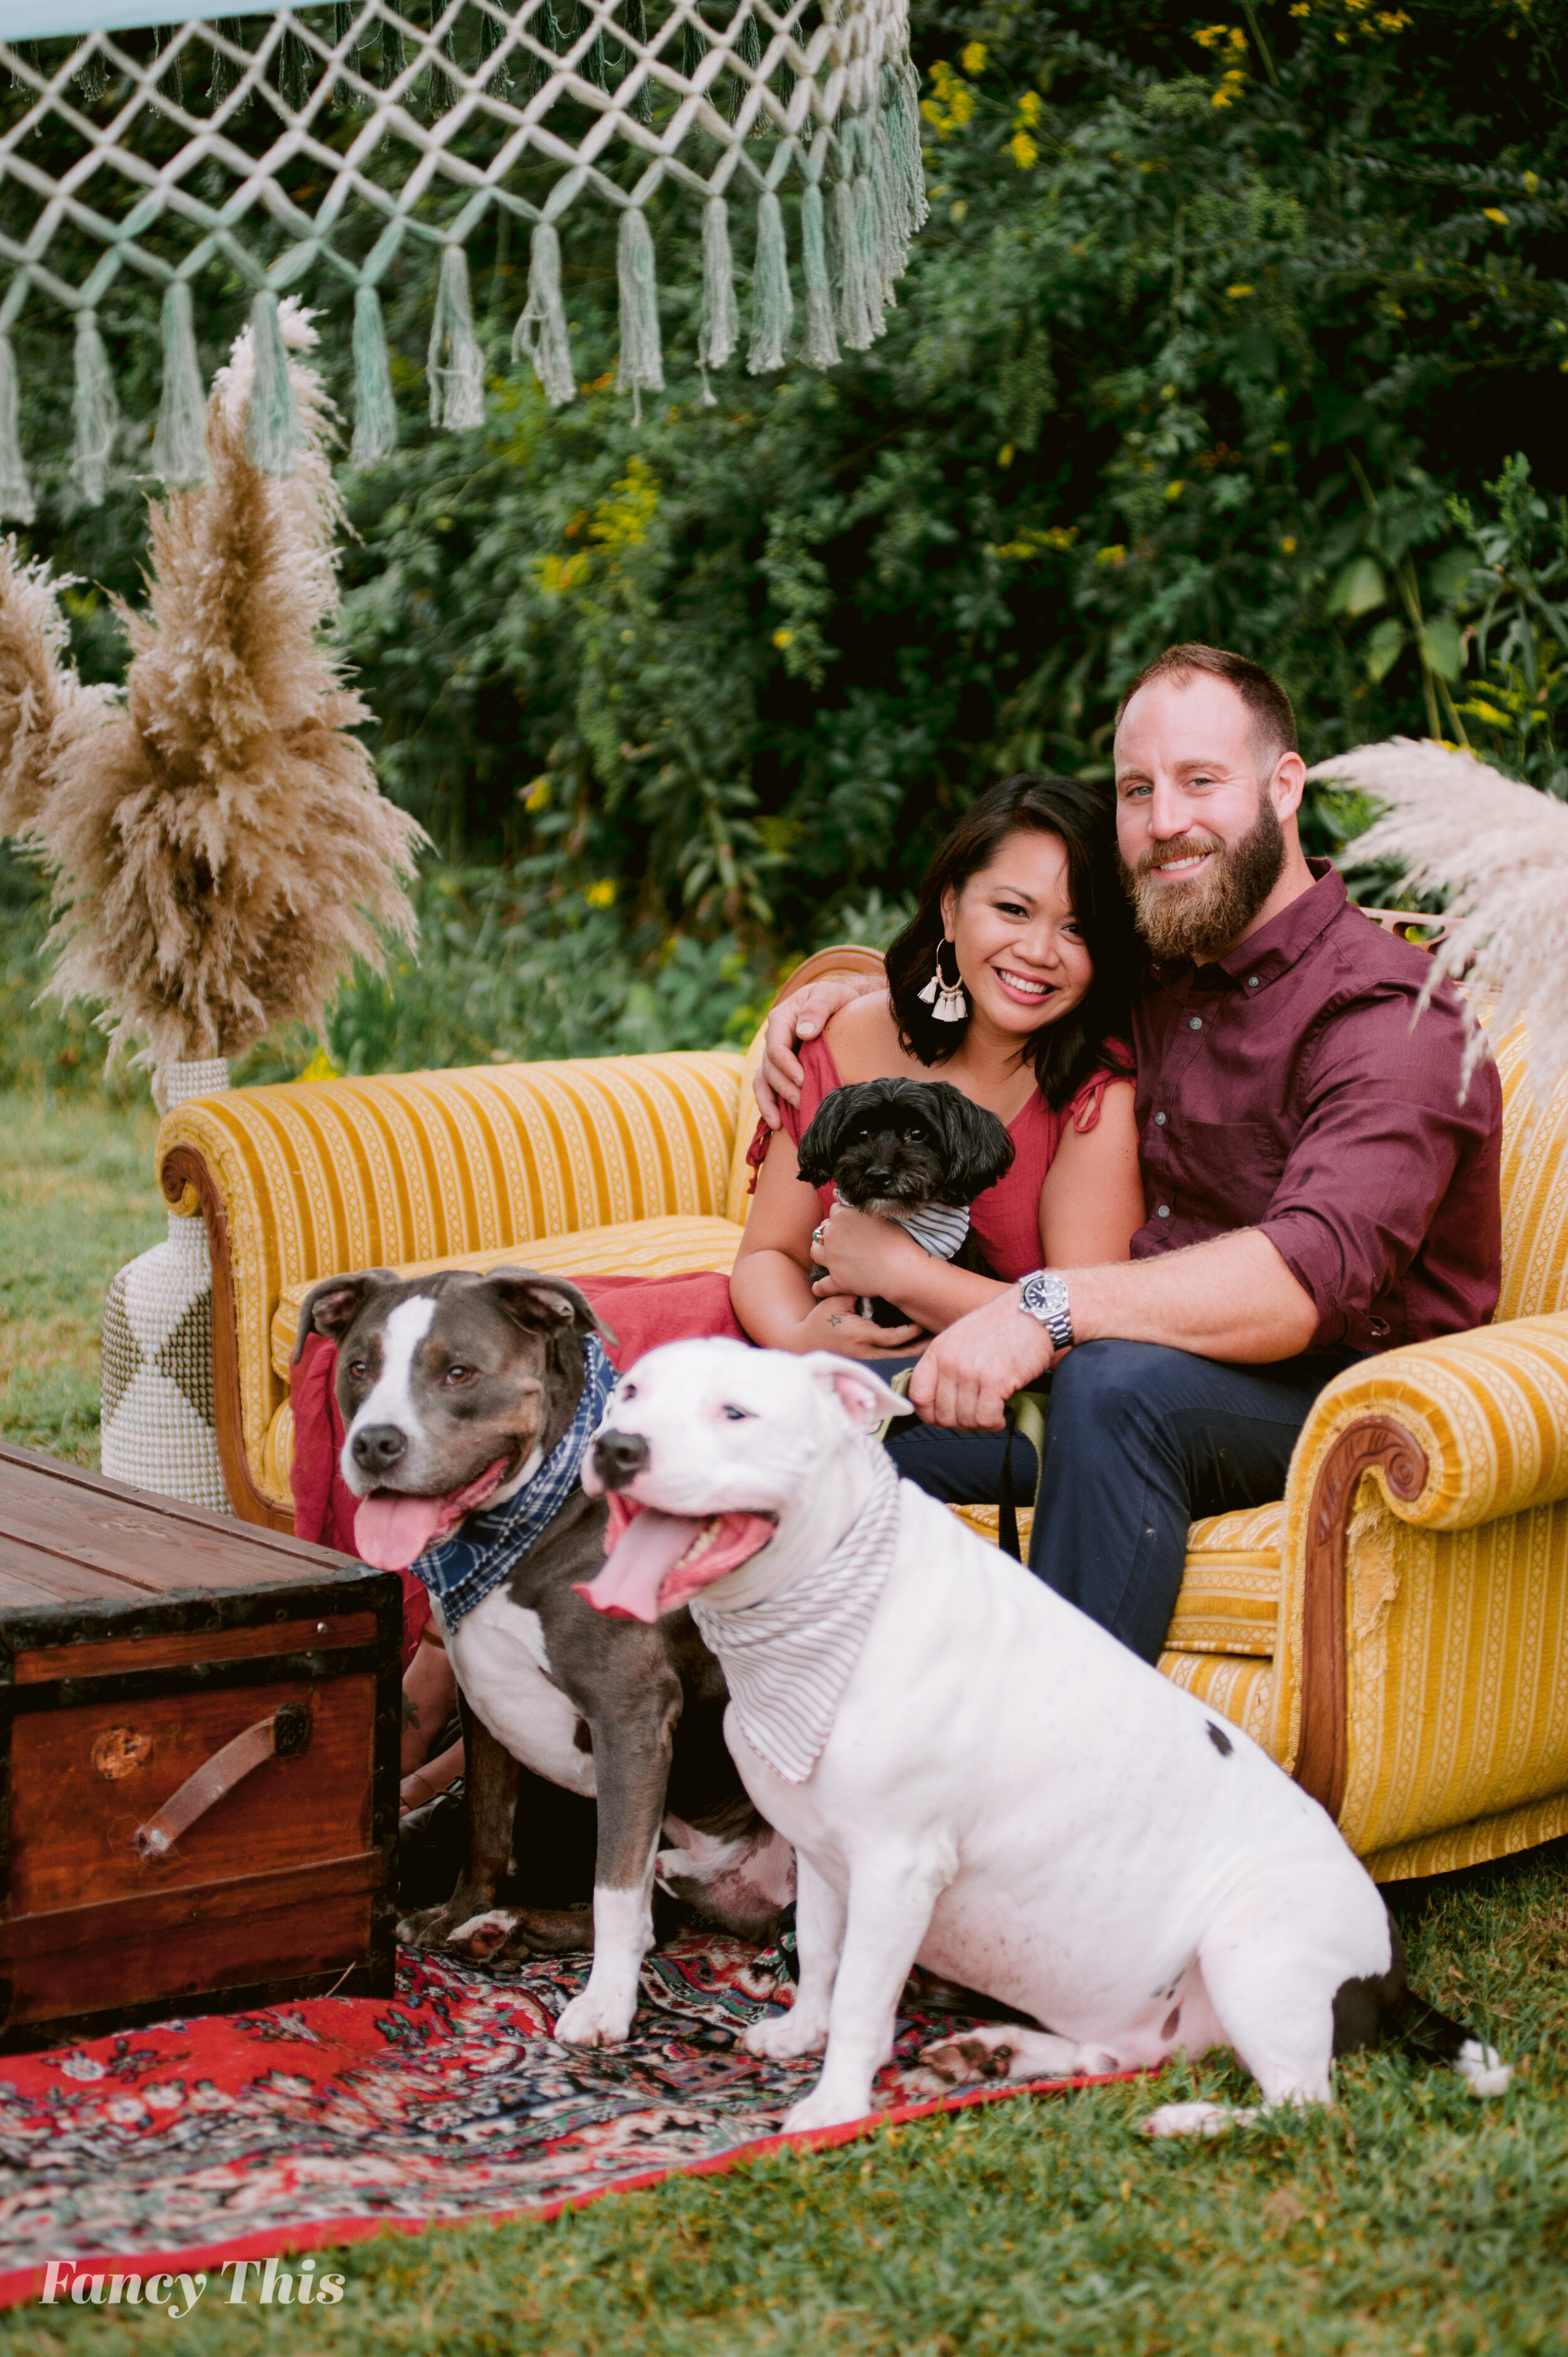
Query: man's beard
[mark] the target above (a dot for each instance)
(1204, 918)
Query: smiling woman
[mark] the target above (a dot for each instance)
(1013, 975)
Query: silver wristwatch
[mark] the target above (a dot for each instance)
(1044, 1298)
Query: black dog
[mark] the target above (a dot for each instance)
(907, 1150)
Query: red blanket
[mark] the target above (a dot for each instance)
(638, 1312)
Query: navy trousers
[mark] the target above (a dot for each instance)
(1140, 1441)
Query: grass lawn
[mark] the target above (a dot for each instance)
(1410, 2220)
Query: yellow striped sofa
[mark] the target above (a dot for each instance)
(1394, 1630)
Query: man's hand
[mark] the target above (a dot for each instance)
(970, 1373)
(801, 1016)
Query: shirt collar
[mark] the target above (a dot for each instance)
(1282, 943)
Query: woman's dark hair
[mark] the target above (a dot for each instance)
(1083, 820)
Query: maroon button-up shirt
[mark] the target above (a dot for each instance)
(1293, 1087)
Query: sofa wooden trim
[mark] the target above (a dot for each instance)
(1376, 1444)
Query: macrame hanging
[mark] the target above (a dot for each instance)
(310, 144)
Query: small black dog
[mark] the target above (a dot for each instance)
(914, 1151)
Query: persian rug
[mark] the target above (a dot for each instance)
(236, 2136)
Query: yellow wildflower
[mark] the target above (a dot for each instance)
(1115, 554)
(1024, 151)
(1236, 293)
(783, 638)
(1208, 36)
(972, 57)
(1174, 491)
(601, 895)
(1031, 106)
(537, 797)
(1288, 544)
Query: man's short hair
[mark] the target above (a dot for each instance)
(1259, 690)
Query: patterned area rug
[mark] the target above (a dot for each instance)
(234, 2136)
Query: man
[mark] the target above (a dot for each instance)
(1317, 1189)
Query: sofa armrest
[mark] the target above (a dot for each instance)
(1455, 1432)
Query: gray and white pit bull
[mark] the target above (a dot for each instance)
(1002, 1791)
(454, 1389)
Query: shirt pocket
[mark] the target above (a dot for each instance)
(1224, 1172)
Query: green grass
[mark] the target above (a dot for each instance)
(77, 1200)
(1410, 2219)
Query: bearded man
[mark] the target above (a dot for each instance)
(1319, 1184)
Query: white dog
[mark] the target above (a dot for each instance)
(975, 1776)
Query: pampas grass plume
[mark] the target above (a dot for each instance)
(1499, 851)
(219, 849)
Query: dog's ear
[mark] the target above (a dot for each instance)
(816, 1157)
(977, 1149)
(546, 1304)
(864, 1398)
(331, 1307)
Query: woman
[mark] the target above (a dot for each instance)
(1024, 929)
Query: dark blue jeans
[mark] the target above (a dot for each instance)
(1140, 1441)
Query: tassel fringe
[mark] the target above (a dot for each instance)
(179, 445)
(720, 331)
(95, 411)
(274, 438)
(540, 332)
(456, 381)
(375, 411)
(820, 348)
(773, 305)
(641, 358)
(15, 491)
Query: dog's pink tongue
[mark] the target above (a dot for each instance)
(639, 1579)
(639, 1564)
(391, 1532)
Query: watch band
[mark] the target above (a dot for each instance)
(1044, 1298)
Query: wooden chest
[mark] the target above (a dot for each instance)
(198, 1747)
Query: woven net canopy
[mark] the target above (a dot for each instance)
(301, 151)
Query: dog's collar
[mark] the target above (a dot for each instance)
(787, 1659)
(461, 1570)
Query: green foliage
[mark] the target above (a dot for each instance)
(1217, 329)
(509, 969)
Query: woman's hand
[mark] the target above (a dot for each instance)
(837, 1324)
(865, 1254)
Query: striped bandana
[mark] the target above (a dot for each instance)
(460, 1571)
(787, 1658)
(937, 1228)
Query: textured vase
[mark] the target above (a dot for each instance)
(159, 1427)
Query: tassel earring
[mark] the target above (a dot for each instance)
(946, 999)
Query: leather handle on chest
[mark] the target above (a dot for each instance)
(283, 1735)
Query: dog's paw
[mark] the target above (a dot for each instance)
(452, 1923)
(959, 2061)
(784, 2036)
(1482, 2068)
(593, 2019)
(822, 2110)
(1195, 2119)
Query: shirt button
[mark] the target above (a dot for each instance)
(1163, 1210)
(1252, 982)
(1195, 1022)
(1159, 1120)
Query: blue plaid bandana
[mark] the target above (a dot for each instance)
(460, 1571)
